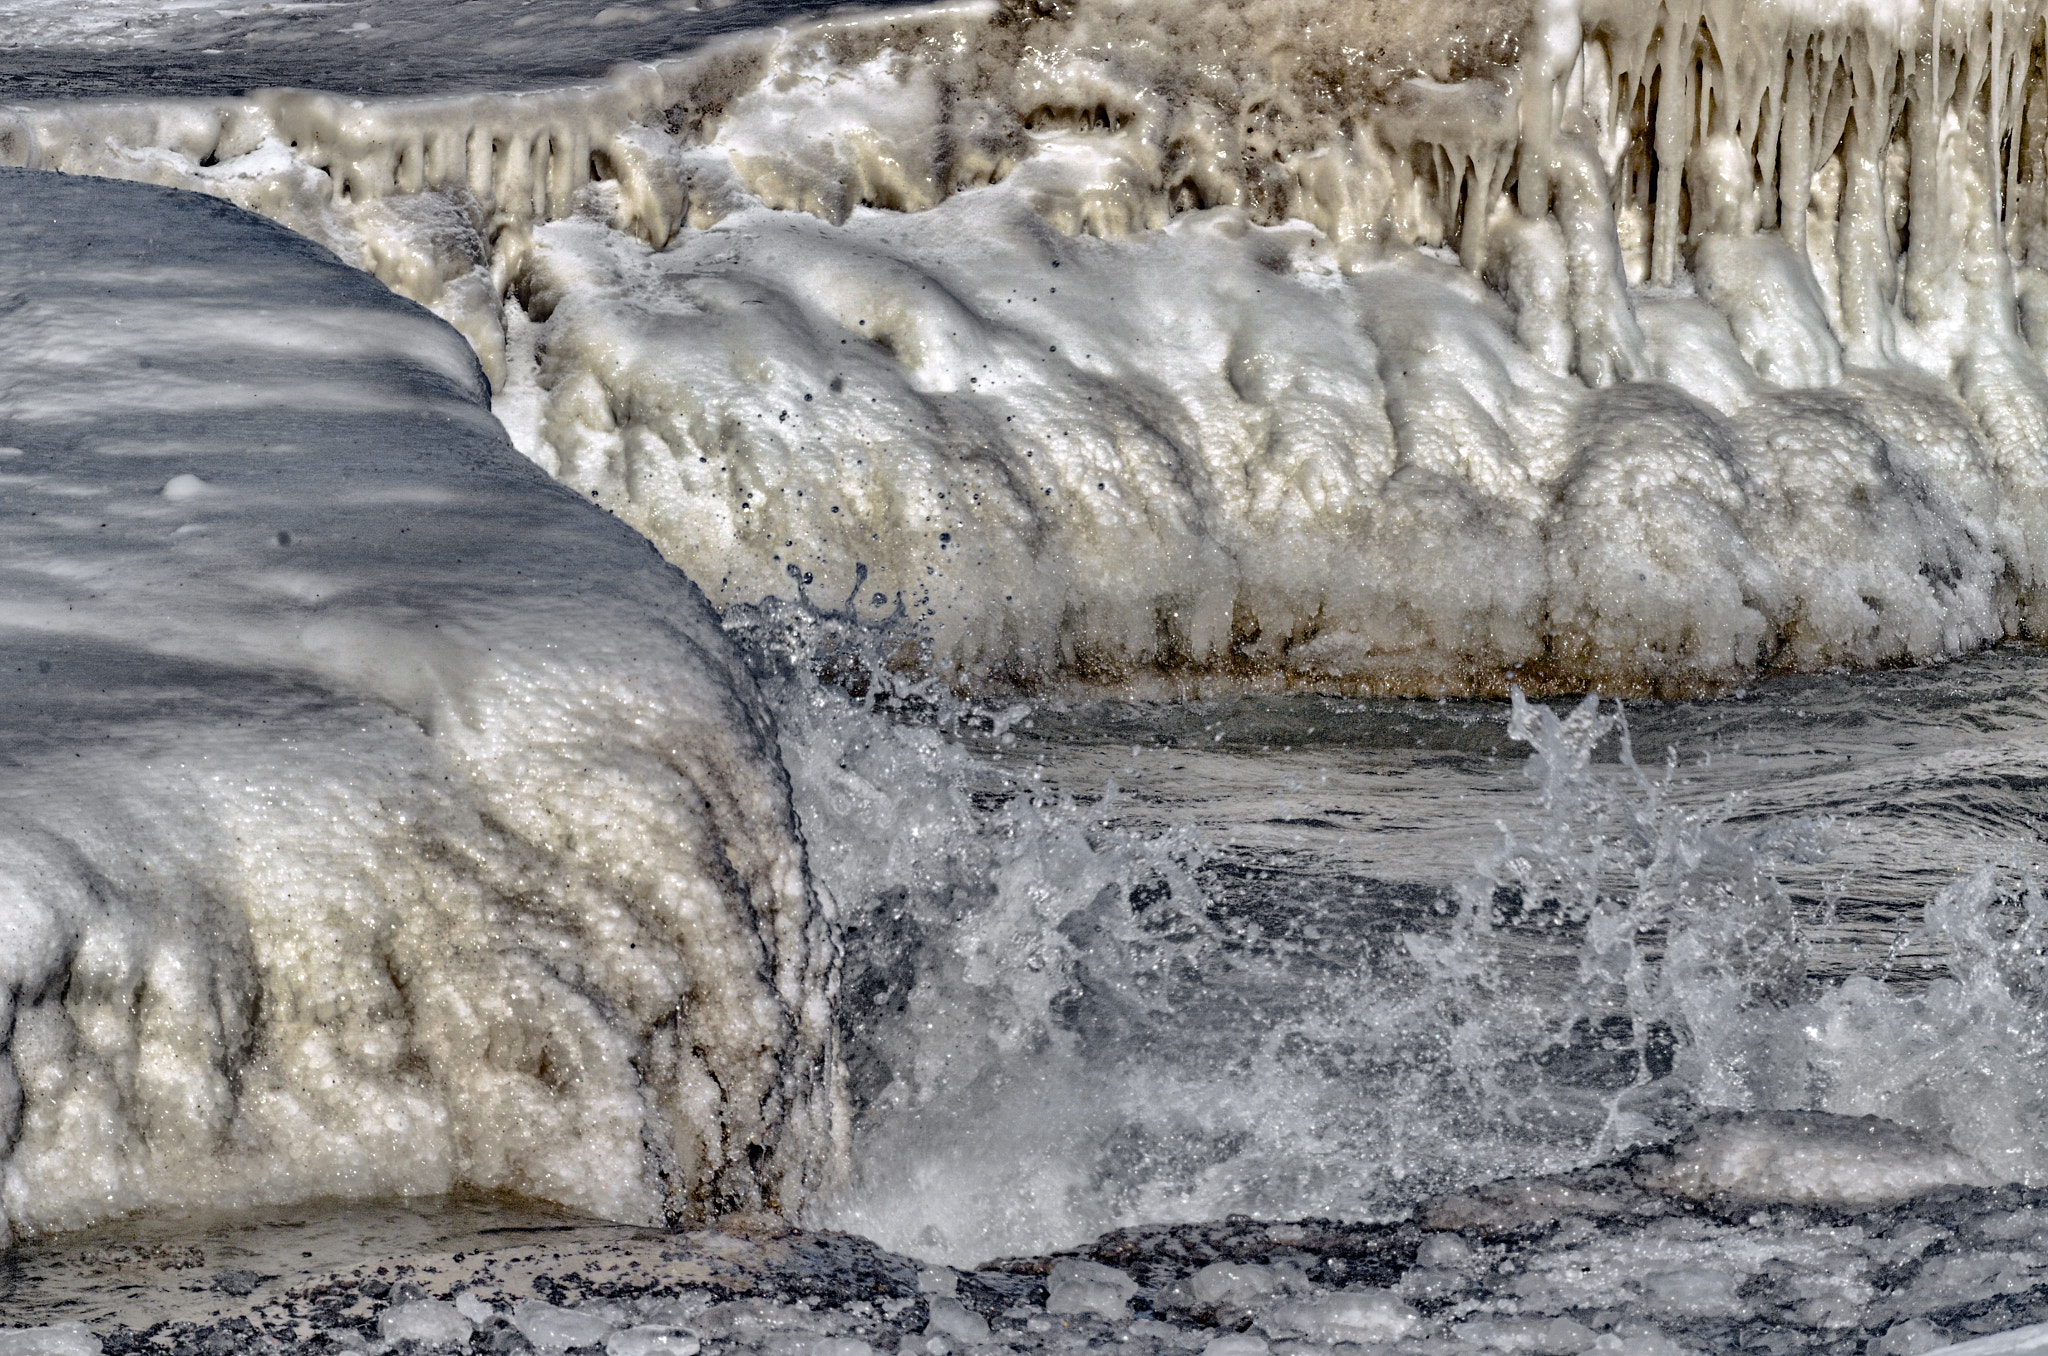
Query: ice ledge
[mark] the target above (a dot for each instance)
(378, 816)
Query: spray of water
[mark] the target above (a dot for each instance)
(1058, 1024)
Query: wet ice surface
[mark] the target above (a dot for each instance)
(294, 645)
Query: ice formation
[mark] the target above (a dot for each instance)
(378, 818)
(1638, 345)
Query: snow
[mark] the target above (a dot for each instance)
(375, 808)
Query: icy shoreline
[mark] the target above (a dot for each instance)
(1617, 1260)
(1634, 347)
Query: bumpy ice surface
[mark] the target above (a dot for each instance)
(378, 818)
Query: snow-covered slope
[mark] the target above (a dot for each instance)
(374, 817)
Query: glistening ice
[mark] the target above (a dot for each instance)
(1641, 347)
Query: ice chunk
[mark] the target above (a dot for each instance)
(432, 1322)
(383, 820)
(1910, 1337)
(1237, 1344)
(1078, 1286)
(552, 1328)
(659, 1340)
(951, 1318)
(474, 1308)
(61, 1339)
(1362, 1316)
(1235, 1283)
(1808, 1158)
(1547, 1336)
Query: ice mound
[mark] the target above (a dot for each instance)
(378, 817)
(1808, 1158)
(1416, 353)
(1578, 349)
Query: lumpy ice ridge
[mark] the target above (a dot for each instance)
(1627, 345)
(377, 819)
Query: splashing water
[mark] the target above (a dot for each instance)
(1066, 1012)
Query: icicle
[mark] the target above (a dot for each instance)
(1795, 153)
(1674, 130)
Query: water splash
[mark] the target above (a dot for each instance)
(1060, 1021)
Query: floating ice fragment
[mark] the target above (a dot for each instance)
(62, 1339)
(938, 1281)
(429, 1322)
(473, 1308)
(1361, 1316)
(179, 488)
(656, 1340)
(551, 1328)
(1808, 1158)
(838, 1346)
(1237, 1344)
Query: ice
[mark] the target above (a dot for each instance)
(428, 1322)
(62, 1339)
(654, 1340)
(379, 817)
(1811, 1159)
(1635, 448)
(1360, 1316)
(950, 1318)
(552, 1328)
(1077, 1286)
(2018, 1342)
(1238, 1284)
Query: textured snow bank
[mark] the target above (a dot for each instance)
(376, 818)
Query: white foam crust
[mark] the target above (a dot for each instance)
(377, 818)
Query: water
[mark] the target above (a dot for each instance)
(1233, 920)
